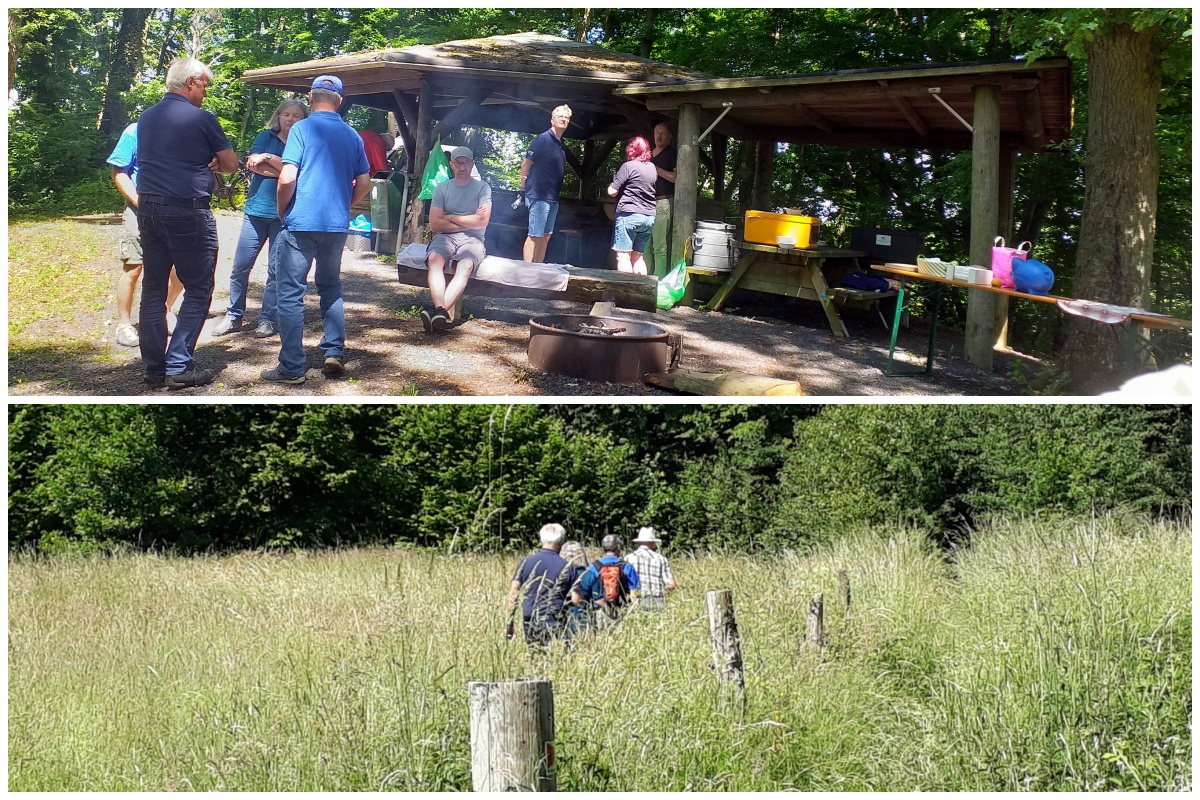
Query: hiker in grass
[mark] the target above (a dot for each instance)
(607, 585)
(458, 213)
(537, 587)
(654, 572)
(577, 619)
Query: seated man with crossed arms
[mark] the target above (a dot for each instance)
(458, 214)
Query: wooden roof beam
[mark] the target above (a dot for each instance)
(464, 109)
(811, 117)
(904, 107)
(407, 121)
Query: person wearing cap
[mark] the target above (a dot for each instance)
(324, 173)
(458, 213)
(654, 572)
(541, 180)
(592, 589)
(179, 145)
(539, 587)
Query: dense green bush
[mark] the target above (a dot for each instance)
(485, 477)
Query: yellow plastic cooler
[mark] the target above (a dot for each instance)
(764, 227)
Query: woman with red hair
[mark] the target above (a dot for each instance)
(633, 186)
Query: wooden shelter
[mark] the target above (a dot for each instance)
(512, 82)
(993, 109)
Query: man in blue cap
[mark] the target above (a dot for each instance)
(325, 172)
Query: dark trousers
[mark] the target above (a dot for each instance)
(185, 238)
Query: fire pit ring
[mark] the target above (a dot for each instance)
(601, 348)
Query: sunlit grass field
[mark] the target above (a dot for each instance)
(1050, 656)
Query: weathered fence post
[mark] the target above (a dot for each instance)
(844, 590)
(814, 635)
(512, 736)
(726, 642)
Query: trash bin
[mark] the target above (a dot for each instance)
(385, 213)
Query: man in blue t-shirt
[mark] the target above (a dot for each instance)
(541, 180)
(124, 165)
(179, 145)
(325, 171)
(607, 584)
(536, 583)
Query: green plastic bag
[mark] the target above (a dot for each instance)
(437, 170)
(672, 286)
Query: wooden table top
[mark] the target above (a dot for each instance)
(808, 252)
(1146, 318)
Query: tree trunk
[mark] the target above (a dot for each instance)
(1120, 200)
(648, 34)
(126, 63)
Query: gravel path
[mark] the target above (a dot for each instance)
(388, 353)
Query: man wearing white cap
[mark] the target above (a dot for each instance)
(458, 213)
(653, 571)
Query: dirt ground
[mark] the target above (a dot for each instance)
(389, 354)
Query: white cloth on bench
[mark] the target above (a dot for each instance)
(505, 271)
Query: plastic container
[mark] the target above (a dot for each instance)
(765, 227)
(884, 245)
(785, 242)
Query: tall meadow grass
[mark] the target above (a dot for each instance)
(1050, 655)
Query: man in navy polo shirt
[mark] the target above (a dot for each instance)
(537, 581)
(177, 142)
(541, 180)
(325, 171)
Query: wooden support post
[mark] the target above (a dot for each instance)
(814, 634)
(844, 590)
(985, 217)
(512, 736)
(726, 642)
(1005, 201)
(687, 179)
(587, 179)
(764, 175)
(720, 149)
(423, 143)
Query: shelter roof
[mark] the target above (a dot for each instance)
(892, 107)
(511, 82)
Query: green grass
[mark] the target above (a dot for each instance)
(57, 269)
(1050, 657)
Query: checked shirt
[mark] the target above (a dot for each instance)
(653, 571)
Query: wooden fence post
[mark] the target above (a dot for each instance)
(726, 642)
(844, 590)
(814, 635)
(512, 736)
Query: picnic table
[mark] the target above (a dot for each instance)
(1137, 321)
(787, 272)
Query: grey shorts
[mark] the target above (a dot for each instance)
(129, 242)
(453, 246)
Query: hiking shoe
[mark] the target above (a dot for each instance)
(227, 325)
(440, 320)
(127, 336)
(427, 320)
(155, 381)
(193, 377)
(265, 330)
(275, 376)
(335, 366)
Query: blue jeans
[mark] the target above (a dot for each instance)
(255, 233)
(186, 238)
(631, 232)
(542, 216)
(292, 255)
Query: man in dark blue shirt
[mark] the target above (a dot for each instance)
(541, 180)
(179, 144)
(536, 583)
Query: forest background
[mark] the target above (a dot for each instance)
(78, 76)
(729, 478)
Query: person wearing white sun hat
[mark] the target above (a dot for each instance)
(653, 569)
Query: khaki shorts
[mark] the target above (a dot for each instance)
(129, 243)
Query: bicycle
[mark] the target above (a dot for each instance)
(232, 188)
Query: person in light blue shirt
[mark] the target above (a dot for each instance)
(124, 165)
(325, 172)
(260, 222)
